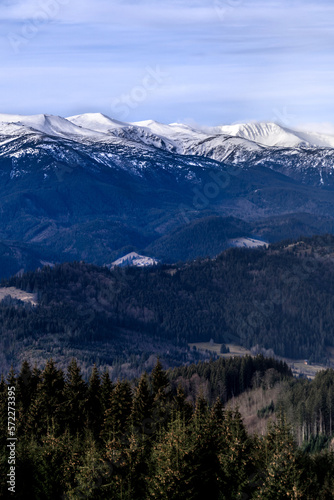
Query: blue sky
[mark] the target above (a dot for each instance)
(209, 62)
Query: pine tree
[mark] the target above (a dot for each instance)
(217, 413)
(92, 474)
(117, 416)
(126, 458)
(181, 405)
(161, 391)
(94, 403)
(201, 411)
(283, 474)
(47, 407)
(50, 459)
(235, 457)
(11, 378)
(205, 434)
(75, 398)
(106, 390)
(142, 406)
(171, 474)
(159, 379)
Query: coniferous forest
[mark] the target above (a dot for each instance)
(279, 298)
(121, 430)
(161, 437)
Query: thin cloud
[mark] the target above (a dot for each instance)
(225, 60)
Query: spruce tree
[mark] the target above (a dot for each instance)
(159, 379)
(235, 457)
(142, 406)
(11, 377)
(161, 391)
(181, 405)
(91, 476)
(106, 390)
(75, 398)
(117, 416)
(94, 403)
(283, 474)
(205, 447)
(46, 408)
(171, 474)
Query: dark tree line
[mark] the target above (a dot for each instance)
(147, 440)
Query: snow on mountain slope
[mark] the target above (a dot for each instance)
(272, 134)
(246, 242)
(183, 137)
(301, 155)
(175, 136)
(45, 124)
(134, 259)
(173, 130)
(97, 122)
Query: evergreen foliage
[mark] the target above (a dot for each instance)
(119, 444)
(279, 298)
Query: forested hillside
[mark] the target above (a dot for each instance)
(280, 298)
(308, 404)
(153, 439)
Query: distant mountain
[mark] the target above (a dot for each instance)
(93, 188)
(134, 259)
(209, 236)
(16, 257)
(272, 134)
(247, 243)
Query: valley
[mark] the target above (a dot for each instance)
(299, 367)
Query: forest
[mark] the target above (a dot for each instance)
(158, 437)
(280, 298)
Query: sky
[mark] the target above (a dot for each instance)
(202, 62)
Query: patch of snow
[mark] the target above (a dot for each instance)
(97, 122)
(134, 259)
(272, 134)
(45, 124)
(247, 243)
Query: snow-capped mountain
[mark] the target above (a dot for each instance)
(97, 122)
(89, 187)
(55, 126)
(134, 259)
(274, 135)
(182, 137)
(308, 157)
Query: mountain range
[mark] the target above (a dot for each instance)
(92, 188)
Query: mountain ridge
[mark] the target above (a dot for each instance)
(97, 196)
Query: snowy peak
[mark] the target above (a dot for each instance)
(267, 134)
(176, 131)
(220, 143)
(274, 135)
(171, 130)
(134, 259)
(97, 122)
(175, 136)
(45, 124)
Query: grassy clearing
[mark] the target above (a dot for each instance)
(235, 350)
(298, 366)
(15, 293)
